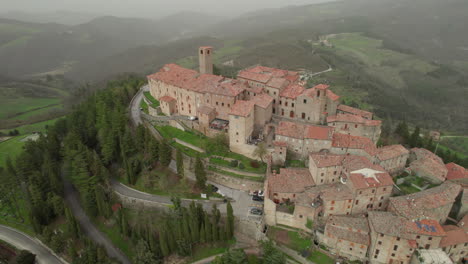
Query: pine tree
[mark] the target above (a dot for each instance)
(200, 174)
(402, 131)
(154, 149)
(90, 203)
(180, 163)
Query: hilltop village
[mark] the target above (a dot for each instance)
(345, 193)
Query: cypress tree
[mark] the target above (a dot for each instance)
(208, 236)
(165, 154)
(200, 174)
(164, 243)
(180, 163)
(202, 233)
(415, 138)
(230, 220)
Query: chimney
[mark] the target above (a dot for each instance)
(205, 61)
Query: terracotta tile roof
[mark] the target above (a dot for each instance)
(336, 192)
(456, 171)
(166, 99)
(322, 160)
(332, 96)
(391, 152)
(280, 143)
(242, 108)
(355, 111)
(428, 163)
(178, 76)
(455, 236)
(392, 225)
(321, 87)
(369, 178)
(350, 118)
(263, 100)
(278, 83)
(206, 110)
(354, 142)
(264, 74)
(290, 180)
(256, 77)
(292, 91)
(346, 234)
(422, 204)
(355, 162)
(354, 222)
(300, 131)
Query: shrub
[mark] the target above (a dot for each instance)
(234, 163)
(254, 164)
(241, 166)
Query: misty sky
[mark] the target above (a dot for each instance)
(147, 8)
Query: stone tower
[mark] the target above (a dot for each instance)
(205, 61)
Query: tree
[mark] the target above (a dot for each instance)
(165, 154)
(230, 220)
(260, 151)
(271, 254)
(402, 131)
(180, 163)
(200, 173)
(415, 139)
(143, 254)
(25, 257)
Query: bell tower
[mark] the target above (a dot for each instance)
(205, 61)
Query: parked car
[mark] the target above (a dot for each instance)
(256, 211)
(192, 118)
(257, 198)
(257, 193)
(213, 188)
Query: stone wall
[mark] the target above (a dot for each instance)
(250, 228)
(234, 183)
(136, 203)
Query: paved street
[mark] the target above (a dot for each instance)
(72, 198)
(135, 105)
(23, 241)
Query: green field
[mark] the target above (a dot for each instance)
(24, 104)
(12, 147)
(457, 144)
(386, 65)
(36, 127)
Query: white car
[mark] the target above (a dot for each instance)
(192, 118)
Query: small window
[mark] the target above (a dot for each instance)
(357, 201)
(222, 104)
(201, 51)
(355, 126)
(303, 115)
(380, 242)
(397, 239)
(395, 247)
(292, 104)
(430, 238)
(305, 101)
(331, 208)
(208, 52)
(285, 103)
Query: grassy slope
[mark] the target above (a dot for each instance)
(11, 147)
(23, 104)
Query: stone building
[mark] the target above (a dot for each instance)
(434, 203)
(355, 125)
(347, 236)
(279, 153)
(392, 158)
(394, 238)
(430, 256)
(325, 168)
(455, 244)
(303, 139)
(426, 164)
(370, 184)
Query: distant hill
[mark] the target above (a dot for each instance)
(32, 48)
(60, 17)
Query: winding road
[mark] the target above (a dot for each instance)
(72, 198)
(23, 241)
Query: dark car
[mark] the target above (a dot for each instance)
(213, 188)
(257, 198)
(256, 211)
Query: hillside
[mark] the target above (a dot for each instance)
(34, 48)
